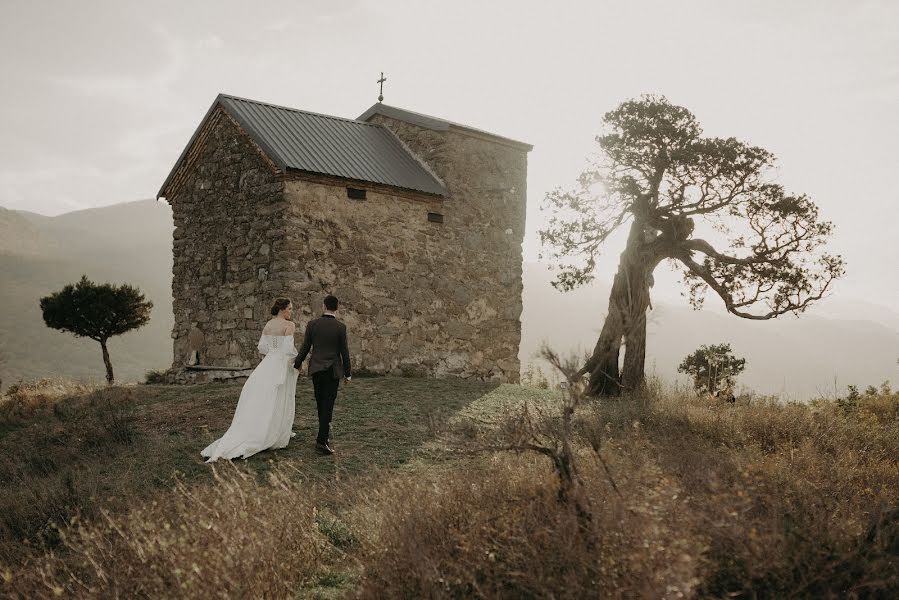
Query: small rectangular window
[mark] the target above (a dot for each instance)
(355, 193)
(435, 217)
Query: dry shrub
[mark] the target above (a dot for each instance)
(883, 405)
(35, 399)
(797, 524)
(499, 531)
(235, 538)
(761, 500)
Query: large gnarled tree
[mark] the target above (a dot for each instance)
(762, 250)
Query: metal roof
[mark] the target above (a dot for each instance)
(434, 123)
(297, 140)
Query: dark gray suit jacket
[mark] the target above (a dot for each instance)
(326, 337)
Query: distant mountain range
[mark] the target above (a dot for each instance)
(796, 358)
(837, 343)
(124, 243)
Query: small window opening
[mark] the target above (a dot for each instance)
(355, 193)
(435, 217)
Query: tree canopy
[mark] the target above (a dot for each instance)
(707, 205)
(96, 311)
(710, 366)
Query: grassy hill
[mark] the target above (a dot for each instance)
(676, 497)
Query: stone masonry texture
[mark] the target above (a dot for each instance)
(419, 298)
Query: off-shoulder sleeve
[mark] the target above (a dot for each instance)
(287, 346)
(281, 344)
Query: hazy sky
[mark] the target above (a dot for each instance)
(99, 98)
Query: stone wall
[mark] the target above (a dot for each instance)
(419, 297)
(228, 210)
(487, 180)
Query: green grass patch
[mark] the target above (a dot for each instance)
(62, 456)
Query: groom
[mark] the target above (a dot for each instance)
(330, 361)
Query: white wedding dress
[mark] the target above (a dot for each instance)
(264, 415)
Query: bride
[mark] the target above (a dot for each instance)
(264, 415)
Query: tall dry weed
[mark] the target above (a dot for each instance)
(35, 399)
(235, 538)
(499, 530)
(711, 500)
(796, 500)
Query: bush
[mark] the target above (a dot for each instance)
(26, 400)
(156, 377)
(534, 376)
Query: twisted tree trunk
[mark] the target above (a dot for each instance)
(625, 324)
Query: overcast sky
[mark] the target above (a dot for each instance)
(99, 98)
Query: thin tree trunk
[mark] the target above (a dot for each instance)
(110, 379)
(625, 324)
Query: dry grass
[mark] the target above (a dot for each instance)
(700, 499)
(498, 530)
(45, 429)
(235, 538)
(713, 500)
(35, 399)
(795, 500)
(91, 452)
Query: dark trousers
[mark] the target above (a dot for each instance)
(325, 385)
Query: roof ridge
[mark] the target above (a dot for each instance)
(421, 114)
(436, 123)
(297, 110)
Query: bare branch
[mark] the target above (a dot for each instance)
(733, 307)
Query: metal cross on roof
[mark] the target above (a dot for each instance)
(381, 81)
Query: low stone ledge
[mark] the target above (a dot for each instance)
(193, 374)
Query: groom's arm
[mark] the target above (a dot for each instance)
(345, 354)
(305, 348)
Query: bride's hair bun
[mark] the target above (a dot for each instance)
(279, 305)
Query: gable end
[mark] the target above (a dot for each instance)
(214, 116)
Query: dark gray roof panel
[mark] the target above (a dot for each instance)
(317, 143)
(321, 144)
(434, 123)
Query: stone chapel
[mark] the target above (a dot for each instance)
(415, 223)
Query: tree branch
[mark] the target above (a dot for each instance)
(732, 307)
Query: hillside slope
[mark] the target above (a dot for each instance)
(676, 496)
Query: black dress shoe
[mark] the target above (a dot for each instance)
(324, 449)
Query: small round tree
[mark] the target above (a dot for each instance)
(97, 311)
(711, 365)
